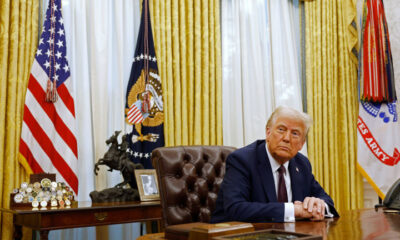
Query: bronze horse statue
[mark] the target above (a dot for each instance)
(118, 158)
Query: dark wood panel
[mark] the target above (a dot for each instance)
(72, 219)
(82, 214)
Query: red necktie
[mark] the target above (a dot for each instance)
(282, 193)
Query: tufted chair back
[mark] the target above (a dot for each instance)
(189, 178)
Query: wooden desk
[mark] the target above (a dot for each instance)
(355, 224)
(82, 214)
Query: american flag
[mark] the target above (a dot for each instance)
(48, 142)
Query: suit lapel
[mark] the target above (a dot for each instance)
(296, 181)
(265, 173)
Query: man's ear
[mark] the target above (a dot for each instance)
(267, 132)
(304, 141)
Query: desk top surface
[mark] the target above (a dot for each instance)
(353, 224)
(82, 206)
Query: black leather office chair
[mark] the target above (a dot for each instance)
(189, 178)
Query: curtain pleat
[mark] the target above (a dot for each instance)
(197, 137)
(188, 47)
(217, 128)
(260, 65)
(18, 40)
(331, 79)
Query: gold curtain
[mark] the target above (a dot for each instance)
(188, 47)
(331, 78)
(18, 41)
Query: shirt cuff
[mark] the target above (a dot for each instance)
(327, 211)
(289, 213)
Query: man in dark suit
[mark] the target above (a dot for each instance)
(269, 180)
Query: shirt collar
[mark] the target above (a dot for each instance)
(275, 164)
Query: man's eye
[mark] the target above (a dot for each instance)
(296, 134)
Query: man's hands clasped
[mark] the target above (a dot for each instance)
(311, 208)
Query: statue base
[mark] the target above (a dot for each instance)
(115, 195)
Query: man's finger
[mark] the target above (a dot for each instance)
(311, 204)
(323, 209)
(316, 216)
(319, 207)
(305, 202)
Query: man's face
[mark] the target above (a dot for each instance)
(285, 138)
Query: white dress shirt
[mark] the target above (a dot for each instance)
(289, 206)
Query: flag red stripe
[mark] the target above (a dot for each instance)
(50, 110)
(137, 118)
(44, 141)
(66, 98)
(133, 110)
(132, 115)
(136, 114)
(26, 152)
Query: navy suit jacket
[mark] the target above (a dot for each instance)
(248, 193)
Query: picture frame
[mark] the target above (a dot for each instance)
(147, 182)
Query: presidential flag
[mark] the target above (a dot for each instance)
(378, 123)
(144, 103)
(48, 142)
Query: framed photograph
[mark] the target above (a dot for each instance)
(147, 184)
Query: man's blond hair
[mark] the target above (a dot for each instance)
(292, 113)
